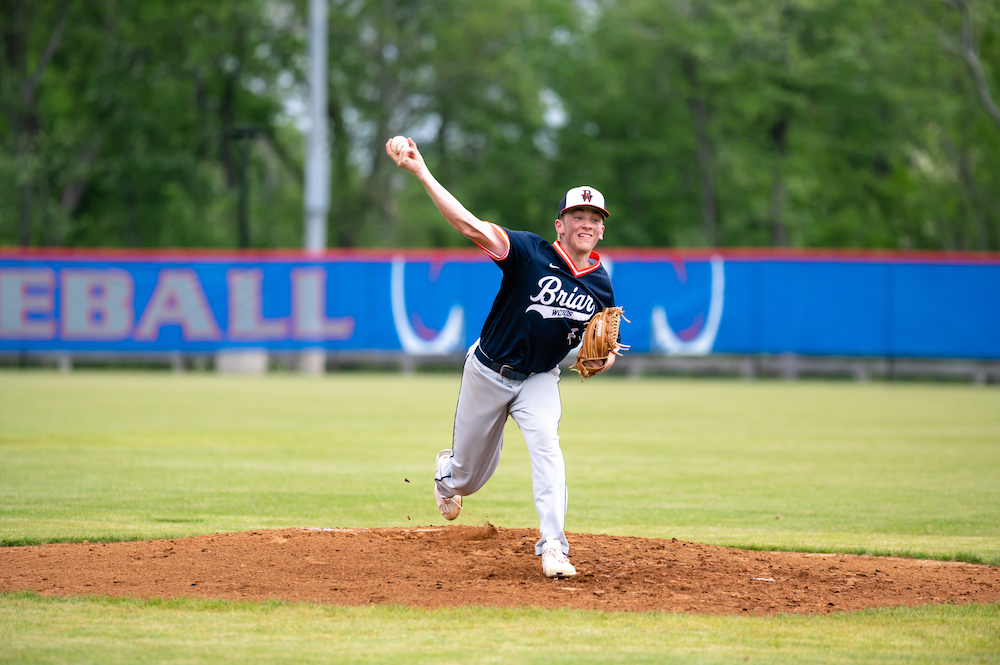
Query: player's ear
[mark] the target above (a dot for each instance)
(559, 227)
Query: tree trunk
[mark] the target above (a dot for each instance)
(73, 192)
(24, 214)
(779, 231)
(22, 113)
(341, 197)
(970, 198)
(970, 53)
(133, 232)
(699, 118)
(226, 104)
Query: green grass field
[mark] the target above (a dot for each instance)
(910, 469)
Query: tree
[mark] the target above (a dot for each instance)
(467, 81)
(845, 123)
(125, 137)
(32, 34)
(980, 210)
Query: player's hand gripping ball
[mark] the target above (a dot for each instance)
(398, 144)
(600, 343)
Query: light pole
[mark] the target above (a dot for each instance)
(317, 185)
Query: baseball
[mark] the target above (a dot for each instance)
(399, 144)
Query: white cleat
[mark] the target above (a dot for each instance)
(450, 506)
(555, 564)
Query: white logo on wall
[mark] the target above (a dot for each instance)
(450, 337)
(666, 340)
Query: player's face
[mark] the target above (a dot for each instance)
(580, 229)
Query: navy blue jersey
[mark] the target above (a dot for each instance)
(543, 304)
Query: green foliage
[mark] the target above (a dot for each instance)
(833, 123)
(127, 139)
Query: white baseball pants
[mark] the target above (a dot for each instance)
(485, 399)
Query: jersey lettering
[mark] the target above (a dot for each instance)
(551, 291)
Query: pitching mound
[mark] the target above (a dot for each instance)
(464, 565)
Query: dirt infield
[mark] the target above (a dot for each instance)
(464, 565)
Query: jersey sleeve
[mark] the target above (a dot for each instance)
(521, 247)
(503, 234)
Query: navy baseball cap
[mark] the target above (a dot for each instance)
(583, 196)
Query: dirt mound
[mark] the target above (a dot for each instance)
(482, 565)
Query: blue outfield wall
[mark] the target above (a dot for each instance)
(419, 302)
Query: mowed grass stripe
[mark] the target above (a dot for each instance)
(35, 629)
(883, 468)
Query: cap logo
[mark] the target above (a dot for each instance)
(583, 196)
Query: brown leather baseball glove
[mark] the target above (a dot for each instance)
(600, 343)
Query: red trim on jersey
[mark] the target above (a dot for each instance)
(572, 266)
(506, 242)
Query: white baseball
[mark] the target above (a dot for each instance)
(399, 144)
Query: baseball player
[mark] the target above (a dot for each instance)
(548, 293)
